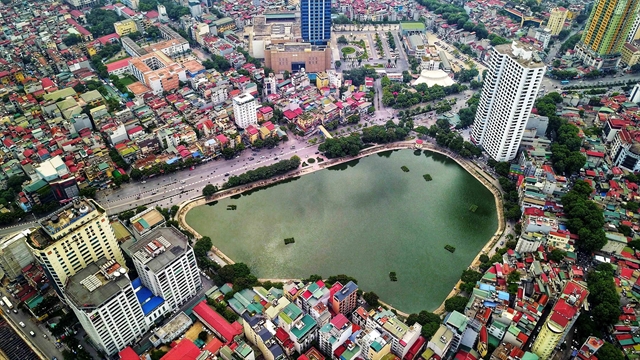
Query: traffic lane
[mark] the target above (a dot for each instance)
(193, 189)
(46, 346)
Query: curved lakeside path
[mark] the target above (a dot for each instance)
(487, 180)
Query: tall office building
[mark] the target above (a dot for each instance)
(316, 21)
(606, 31)
(166, 265)
(634, 34)
(508, 93)
(106, 305)
(557, 17)
(562, 317)
(244, 110)
(73, 237)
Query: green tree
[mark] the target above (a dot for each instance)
(456, 303)
(88, 191)
(609, 351)
(203, 336)
(342, 40)
(209, 190)
(557, 255)
(371, 298)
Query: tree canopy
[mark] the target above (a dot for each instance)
(585, 217)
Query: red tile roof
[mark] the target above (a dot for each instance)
(184, 350)
(128, 354)
(217, 322)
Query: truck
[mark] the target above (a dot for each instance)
(564, 82)
(7, 302)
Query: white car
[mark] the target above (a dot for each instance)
(21, 324)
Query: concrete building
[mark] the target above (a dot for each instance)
(144, 222)
(344, 298)
(158, 71)
(315, 18)
(293, 57)
(557, 17)
(544, 36)
(629, 55)
(105, 303)
(334, 334)
(159, 257)
(70, 239)
(244, 110)
(562, 317)
(125, 27)
(515, 75)
(635, 94)
(625, 151)
(15, 254)
(634, 33)
(605, 32)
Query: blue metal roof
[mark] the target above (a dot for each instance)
(152, 304)
(143, 294)
(136, 283)
(346, 291)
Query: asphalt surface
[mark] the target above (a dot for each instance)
(46, 346)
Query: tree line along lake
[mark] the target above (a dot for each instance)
(364, 218)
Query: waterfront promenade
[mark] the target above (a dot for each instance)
(487, 180)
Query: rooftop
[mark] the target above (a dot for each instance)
(95, 284)
(159, 248)
(522, 53)
(75, 214)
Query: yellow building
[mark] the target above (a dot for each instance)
(322, 80)
(73, 237)
(556, 21)
(125, 27)
(562, 317)
(378, 350)
(630, 54)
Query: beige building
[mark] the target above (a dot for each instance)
(630, 54)
(556, 21)
(67, 241)
(294, 56)
(157, 71)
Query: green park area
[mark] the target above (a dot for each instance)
(347, 50)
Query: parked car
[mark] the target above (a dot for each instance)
(21, 324)
(32, 333)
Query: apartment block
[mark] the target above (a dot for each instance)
(166, 265)
(244, 110)
(157, 71)
(105, 303)
(15, 254)
(71, 238)
(344, 298)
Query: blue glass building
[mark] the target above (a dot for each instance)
(316, 21)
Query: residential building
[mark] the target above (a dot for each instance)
(562, 317)
(14, 253)
(294, 57)
(125, 27)
(625, 150)
(106, 305)
(630, 54)
(557, 17)
(606, 32)
(158, 257)
(334, 334)
(71, 238)
(316, 21)
(216, 323)
(508, 94)
(244, 110)
(81, 4)
(144, 222)
(157, 71)
(634, 33)
(344, 299)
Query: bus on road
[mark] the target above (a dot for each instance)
(7, 302)
(564, 82)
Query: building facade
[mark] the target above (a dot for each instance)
(15, 254)
(515, 75)
(294, 57)
(73, 237)
(316, 21)
(557, 17)
(562, 317)
(344, 300)
(244, 110)
(105, 303)
(606, 31)
(166, 265)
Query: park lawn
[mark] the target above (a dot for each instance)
(128, 80)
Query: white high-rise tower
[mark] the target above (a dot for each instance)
(509, 90)
(244, 110)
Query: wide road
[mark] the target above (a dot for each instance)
(172, 189)
(46, 346)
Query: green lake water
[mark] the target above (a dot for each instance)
(365, 219)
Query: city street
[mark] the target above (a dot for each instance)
(46, 346)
